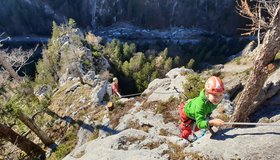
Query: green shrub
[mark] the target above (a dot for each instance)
(23, 101)
(96, 54)
(277, 56)
(58, 57)
(191, 63)
(193, 86)
(67, 144)
(62, 151)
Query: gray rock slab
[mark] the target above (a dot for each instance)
(127, 145)
(261, 142)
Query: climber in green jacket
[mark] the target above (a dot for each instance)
(198, 109)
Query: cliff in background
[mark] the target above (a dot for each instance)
(25, 17)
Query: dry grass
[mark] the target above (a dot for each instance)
(175, 151)
(94, 135)
(92, 39)
(136, 125)
(160, 107)
(127, 141)
(149, 105)
(237, 60)
(60, 100)
(163, 132)
(120, 110)
(152, 145)
(221, 110)
(224, 117)
(165, 108)
(133, 140)
(196, 156)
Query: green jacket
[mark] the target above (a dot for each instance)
(198, 109)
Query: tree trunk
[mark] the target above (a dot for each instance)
(9, 68)
(259, 73)
(30, 148)
(31, 125)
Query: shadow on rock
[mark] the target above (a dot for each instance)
(221, 134)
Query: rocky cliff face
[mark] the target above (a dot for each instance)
(30, 16)
(209, 15)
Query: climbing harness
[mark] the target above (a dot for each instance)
(202, 134)
(195, 136)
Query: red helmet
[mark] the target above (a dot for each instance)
(214, 85)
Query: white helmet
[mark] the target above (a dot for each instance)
(115, 79)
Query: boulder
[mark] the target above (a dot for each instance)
(99, 91)
(163, 89)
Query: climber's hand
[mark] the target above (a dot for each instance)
(216, 122)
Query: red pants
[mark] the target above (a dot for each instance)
(186, 123)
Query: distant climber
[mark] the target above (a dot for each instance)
(195, 112)
(115, 87)
(113, 93)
